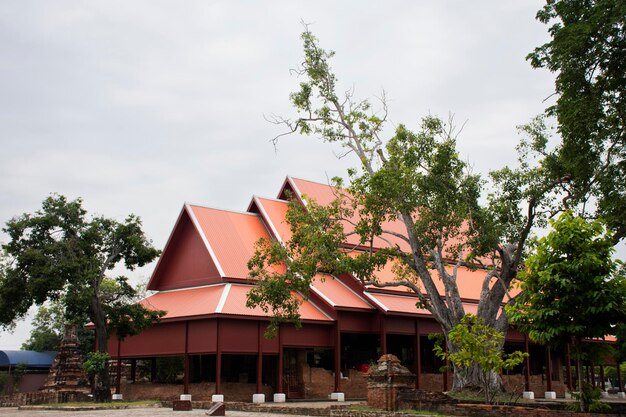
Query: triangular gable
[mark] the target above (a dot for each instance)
(186, 260)
(273, 213)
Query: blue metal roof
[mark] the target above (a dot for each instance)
(30, 358)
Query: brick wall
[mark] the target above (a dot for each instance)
(199, 392)
(319, 383)
(40, 397)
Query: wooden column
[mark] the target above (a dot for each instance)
(548, 369)
(619, 379)
(527, 367)
(118, 378)
(418, 356)
(218, 361)
(602, 377)
(568, 367)
(383, 335)
(186, 360)
(133, 370)
(445, 372)
(259, 360)
(587, 372)
(153, 370)
(337, 358)
(279, 383)
(593, 375)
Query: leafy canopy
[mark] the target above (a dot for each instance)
(60, 254)
(587, 51)
(571, 287)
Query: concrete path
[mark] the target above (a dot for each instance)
(135, 412)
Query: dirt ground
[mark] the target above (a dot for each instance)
(135, 412)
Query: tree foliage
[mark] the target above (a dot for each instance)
(587, 51)
(479, 349)
(417, 181)
(58, 253)
(572, 288)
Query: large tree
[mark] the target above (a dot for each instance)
(587, 51)
(416, 180)
(59, 253)
(572, 287)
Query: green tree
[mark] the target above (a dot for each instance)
(47, 330)
(479, 346)
(587, 51)
(58, 253)
(572, 288)
(416, 179)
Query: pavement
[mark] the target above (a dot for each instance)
(135, 412)
(164, 412)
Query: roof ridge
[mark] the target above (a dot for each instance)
(221, 209)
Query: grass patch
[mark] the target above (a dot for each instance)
(475, 396)
(366, 408)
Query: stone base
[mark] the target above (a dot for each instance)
(117, 397)
(337, 396)
(217, 398)
(181, 405)
(621, 394)
(185, 397)
(568, 395)
(528, 395)
(258, 398)
(280, 398)
(550, 395)
(604, 394)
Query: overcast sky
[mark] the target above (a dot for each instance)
(139, 106)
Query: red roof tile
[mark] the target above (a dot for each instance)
(228, 299)
(404, 304)
(231, 237)
(337, 294)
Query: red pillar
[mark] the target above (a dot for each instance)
(280, 362)
(218, 362)
(548, 369)
(153, 370)
(133, 370)
(186, 361)
(418, 356)
(527, 367)
(259, 359)
(445, 372)
(118, 379)
(337, 358)
(602, 377)
(568, 364)
(619, 379)
(383, 336)
(593, 375)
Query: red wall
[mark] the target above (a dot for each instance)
(202, 336)
(162, 339)
(186, 261)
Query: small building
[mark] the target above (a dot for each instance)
(24, 370)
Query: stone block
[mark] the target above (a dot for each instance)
(528, 395)
(117, 397)
(621, 394)
(181, 405)
(185, 397)
(258, 398)
(280, 398)
(550, 395)
(337, 396)
(217, 398)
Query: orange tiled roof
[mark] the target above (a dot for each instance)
(404, 304)
(227, 298)
(230, 236)
(337, 294)
(274, 213)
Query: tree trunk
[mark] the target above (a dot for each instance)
(102, 392)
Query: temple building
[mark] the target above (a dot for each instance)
(202, 280)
